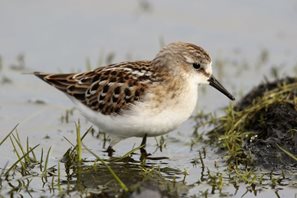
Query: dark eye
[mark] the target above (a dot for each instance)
(196, 65)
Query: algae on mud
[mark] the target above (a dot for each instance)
(264, 120)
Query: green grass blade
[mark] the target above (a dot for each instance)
(59, 177)
(123, 186)
(41, 160)
(18, 141)
(16, 152)
(78, 142)
(5, 138)
(68, 141)
(287, 152)
(46, 162)
(89, 129)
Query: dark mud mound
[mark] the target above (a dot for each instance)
(261, 89)
(262, 128)
(274, 125)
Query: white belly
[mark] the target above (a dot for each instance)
(143, 119)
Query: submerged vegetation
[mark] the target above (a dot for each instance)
(122, 176)
(105, 177)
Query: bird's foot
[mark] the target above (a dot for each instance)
(143, 154)
(110, 151)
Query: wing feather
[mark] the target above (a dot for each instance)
(109, 90)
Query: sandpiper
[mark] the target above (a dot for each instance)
(140, 98)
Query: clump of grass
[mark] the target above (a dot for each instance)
(19, 175)
(216, 182)
(73, 156)
(233, 136)
(20, 158)
(22, 154)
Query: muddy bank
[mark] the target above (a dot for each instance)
(264, 122)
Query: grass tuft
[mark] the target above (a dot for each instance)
(19, 160)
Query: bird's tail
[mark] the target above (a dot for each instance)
(60, 81)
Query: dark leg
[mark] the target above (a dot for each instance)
(114, 141)
(143, 152)
(143, 144)
(110, 151)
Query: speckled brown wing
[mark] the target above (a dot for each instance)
(108, 90)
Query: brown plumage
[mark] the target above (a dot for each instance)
(110, 89)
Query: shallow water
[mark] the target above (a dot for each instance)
(246, 38)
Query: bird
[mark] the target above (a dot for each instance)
(144, 98)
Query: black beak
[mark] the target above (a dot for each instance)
(214, 83)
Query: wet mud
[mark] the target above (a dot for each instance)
(274, 125)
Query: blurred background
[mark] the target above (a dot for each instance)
(62, 34)
(249, 41)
